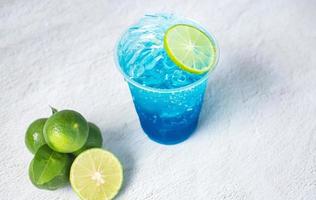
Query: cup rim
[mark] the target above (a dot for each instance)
(168, 90)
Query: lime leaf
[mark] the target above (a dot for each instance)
(54, 184)
(49, 169)
(48, 164)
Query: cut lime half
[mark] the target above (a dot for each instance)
(190, 48)
(96, 174)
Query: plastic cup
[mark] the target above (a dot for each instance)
(168, 116)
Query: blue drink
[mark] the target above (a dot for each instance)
(167, 99)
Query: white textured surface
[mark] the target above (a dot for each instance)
(257, 133)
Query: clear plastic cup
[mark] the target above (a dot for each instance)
(168, 116)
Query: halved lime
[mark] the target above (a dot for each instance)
(190, 48)
(96, 174)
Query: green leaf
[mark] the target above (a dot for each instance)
(57, 182)
(47, 164)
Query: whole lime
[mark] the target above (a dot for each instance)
(66, 131)
(49, 169)
(94, 140)
(34, 138)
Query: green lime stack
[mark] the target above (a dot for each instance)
(66, 142)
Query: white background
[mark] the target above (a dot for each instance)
(257, 134)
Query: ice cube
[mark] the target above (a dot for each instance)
(143, 57)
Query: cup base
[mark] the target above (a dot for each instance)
(169, 137)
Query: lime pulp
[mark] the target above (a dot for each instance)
(96, 174)
(190, 48)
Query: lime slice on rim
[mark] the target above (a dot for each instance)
(190, 48)
(96, 174)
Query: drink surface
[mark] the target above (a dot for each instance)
(142, 56)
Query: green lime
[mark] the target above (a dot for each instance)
(34, 138)
(190, 48)
(66, 131)
(96, 174)
(94, 139)
(49, 169)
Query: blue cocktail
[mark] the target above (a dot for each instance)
(167, 98)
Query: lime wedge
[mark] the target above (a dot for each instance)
(190, 48)
(96, 174)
